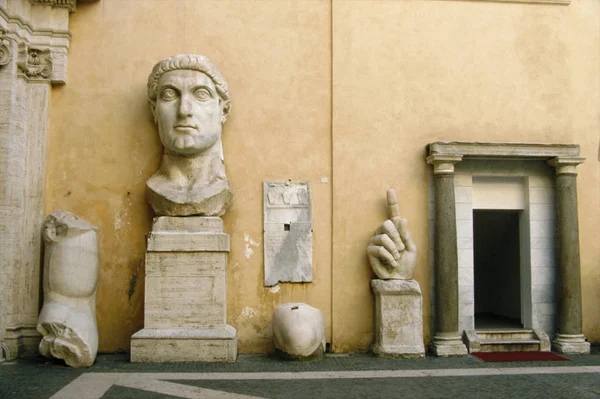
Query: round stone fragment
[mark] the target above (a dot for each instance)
(298, 331)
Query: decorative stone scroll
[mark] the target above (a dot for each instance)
(67, 321)
(287, 231)
(5, 53)
(36, 63)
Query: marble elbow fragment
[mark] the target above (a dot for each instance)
(67, 321)
(298, 331)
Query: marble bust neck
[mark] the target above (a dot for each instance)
(185, 172)
(190, 185)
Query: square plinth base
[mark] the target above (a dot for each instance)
(575, 344)
(184, 345)
(398, 319)
(448, 346)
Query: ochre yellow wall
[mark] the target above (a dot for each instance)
(406, 73)
(104, 146)
(350, 91)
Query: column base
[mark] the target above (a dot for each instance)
(157, 345)
(571, 343)
(448, 346)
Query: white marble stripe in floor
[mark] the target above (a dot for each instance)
(94, 385)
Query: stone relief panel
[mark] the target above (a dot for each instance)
(287, 232)
(35, 63)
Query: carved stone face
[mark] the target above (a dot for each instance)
(188, 112)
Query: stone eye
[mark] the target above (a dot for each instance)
(202, 94)
(168, 94)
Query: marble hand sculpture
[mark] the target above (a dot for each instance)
(67, 321)
(190, 102)
(392, 252)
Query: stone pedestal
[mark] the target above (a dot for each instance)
(398, 318)
(185, 311)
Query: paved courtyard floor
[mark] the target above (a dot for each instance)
(337, 376)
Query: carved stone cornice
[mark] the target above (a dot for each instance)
(71, 5)
(47, 33)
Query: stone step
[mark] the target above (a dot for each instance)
(505, 334)
(509, 345)
(506, 340)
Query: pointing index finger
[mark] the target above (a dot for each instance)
(392, 202)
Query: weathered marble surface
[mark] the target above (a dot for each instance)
(298, 331)
(190, 102)
(185, 306)
(34, 46)
(68, 318)
(398, 318)
(287, 231)
(392, 252)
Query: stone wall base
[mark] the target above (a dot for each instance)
(184, 345)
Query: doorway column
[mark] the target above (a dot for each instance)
(447, 340)
(570, 338)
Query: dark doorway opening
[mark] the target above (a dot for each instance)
(497, 269)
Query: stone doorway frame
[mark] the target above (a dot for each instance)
(536, 232)
(565, 158)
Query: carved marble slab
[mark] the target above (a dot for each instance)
(287, 231)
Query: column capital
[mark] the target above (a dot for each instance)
(443, 163)
(566, 165)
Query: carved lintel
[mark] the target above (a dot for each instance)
(71, 5)
(5, 53)
(35, 63)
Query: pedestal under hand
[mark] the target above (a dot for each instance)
(185, 316)
(398, 318)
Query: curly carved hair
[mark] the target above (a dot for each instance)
(194, 62)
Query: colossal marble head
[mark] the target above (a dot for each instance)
(189, 100)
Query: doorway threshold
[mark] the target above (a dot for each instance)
(506, 340)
